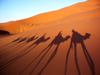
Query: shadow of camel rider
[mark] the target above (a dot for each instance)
(78, 38)
(57, 40)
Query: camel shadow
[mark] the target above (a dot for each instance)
(78, 38)
(27, 41)
(20, 41)
(15, 42)
(25, 51)
(40, 40)
(11, 42)
(57, 40)
(19, 46)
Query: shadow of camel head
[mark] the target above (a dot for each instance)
(67, 37)
(87, 36)
(46, 39)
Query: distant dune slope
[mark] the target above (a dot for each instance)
(80, 11)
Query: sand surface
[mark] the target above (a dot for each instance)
(25, 53)
(14, 60)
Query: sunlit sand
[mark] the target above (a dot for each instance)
(61, 42)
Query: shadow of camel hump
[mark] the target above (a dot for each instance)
(57, 40)
(23, 52)
(78, 38)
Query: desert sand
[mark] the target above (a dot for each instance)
(42, 43)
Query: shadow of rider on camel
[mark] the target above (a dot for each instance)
(78, 38)
(57, 40)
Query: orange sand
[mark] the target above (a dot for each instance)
(80, 11)
(82, 21)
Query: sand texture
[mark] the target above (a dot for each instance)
(62, 42)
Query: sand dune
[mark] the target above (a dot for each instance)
(77, 9)
(44, 48)
(18, 55)
(55, 15)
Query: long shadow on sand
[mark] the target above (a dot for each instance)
(57, 40)
(15, 42)
(19, 46)
(78, 38)
(11, 42)
(25, 51)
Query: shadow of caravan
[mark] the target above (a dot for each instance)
(11, 51)
(57, 40)
(23, 52)
(11, 42)
(20, 42)
(15, 42)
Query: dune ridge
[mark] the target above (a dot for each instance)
(91, 7)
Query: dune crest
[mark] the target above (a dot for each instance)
(71, 12)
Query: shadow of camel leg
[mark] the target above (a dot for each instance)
(34, 60)
(76, 60)
(39, 61)
(51, 57)
(8, 62)
(13, 45)
(89, 59)
(67, 60)
(11, 51)
(5, 45)
(8, 47)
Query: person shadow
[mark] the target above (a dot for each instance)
(78, 38)
(25, 51)
(57, 40)
(19, 46)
